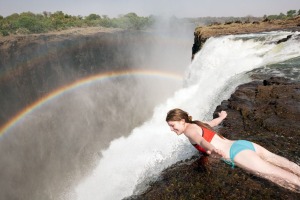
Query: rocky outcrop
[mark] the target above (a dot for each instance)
(266, 112)
(270, 107)
(201, 34)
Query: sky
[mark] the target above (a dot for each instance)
(177, 8)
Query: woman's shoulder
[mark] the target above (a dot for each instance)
(193, 128)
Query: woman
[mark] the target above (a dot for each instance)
(242, 153)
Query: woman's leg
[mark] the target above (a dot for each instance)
(252, 162)
(277, 160)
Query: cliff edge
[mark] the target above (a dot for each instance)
(201, 34)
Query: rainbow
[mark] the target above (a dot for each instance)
(82, 82)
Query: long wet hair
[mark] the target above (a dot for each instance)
(177, 114)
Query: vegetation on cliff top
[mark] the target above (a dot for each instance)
(28, 22)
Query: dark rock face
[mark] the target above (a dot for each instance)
(198, 43)
(266, 112)
(34, 65)
(52, 153)
(284, 39)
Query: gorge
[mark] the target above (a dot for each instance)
(61, 144)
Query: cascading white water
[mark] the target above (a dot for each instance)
(213, 75)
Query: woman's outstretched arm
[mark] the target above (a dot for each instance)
(196, 137)
(218, 120)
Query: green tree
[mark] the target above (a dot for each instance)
(132, 21)
(46, 14)
(291, 13)
(13, 16)
(57, 20)
(106, 21)
(58, 15)
(281, 16)
(31, 22)
(93, 17)
(93, 20)
(273, 17)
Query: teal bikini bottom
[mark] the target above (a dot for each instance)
(236, 148)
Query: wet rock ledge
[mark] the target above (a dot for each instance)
(266, 112)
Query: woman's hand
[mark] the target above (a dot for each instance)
(223, 114)
(217, 121)
(216, 153)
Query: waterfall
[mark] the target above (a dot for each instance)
(220, 66)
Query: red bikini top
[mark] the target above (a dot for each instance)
(207, 135)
